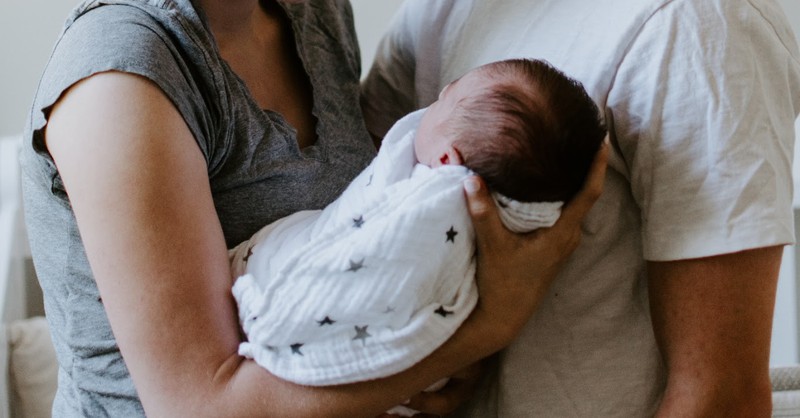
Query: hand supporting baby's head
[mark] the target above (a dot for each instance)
(526, 128)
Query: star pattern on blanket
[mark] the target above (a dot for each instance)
(384, 322)
(296, 349)
(355, 266)
(443, 312)
(362, 334)
(451, 235)
(326, 321)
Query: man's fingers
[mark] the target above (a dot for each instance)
(580, 205)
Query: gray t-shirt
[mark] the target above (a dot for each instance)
(257, 172)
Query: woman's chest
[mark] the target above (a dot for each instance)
(266, 175)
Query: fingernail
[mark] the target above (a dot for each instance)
(406, 402)
(471, 185)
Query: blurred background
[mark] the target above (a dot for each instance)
(28, 29)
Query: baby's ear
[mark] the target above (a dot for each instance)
(451, 156)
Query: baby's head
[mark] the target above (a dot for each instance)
(527, 129)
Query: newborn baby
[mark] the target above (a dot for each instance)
(382, 276)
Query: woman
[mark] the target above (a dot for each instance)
(165, 132)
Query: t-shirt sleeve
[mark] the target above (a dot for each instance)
(703, 109)
(127, 39)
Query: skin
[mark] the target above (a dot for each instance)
(713, 319)
(139, 188)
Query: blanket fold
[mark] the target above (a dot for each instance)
(370, 285)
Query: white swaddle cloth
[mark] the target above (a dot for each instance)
(373, 283)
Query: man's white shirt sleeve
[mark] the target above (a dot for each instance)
(707, 132)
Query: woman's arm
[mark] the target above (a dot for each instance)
(139, 188)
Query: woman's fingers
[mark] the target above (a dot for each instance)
(488, 227)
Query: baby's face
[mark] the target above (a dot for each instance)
(434, 140)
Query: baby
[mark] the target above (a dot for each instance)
(384, 275)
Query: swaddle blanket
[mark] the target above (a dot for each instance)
(368, 286)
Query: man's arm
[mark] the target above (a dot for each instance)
(713, 320)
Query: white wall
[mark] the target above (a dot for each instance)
(28, 29)
(372, 17)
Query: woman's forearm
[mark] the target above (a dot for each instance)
(139, 188)
(240, 381)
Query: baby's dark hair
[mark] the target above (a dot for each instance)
(534, 136)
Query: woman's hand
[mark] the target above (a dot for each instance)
(514, 271)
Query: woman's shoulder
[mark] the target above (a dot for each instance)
(131, 29)
(163, 41)
(168, 15)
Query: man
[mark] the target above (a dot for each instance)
(666, 307)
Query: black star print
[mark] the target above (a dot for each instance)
(326, 321)
(296, 349)
(357, 222)
(389, 309)
(451, 235)
(249, 253)
(441, 311)
(356, 265)
(362, 334)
